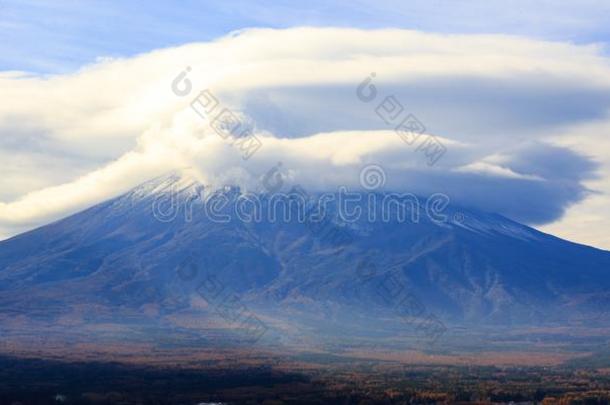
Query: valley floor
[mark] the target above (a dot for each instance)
(79, 373)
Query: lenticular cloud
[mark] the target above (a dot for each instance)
(493, 103)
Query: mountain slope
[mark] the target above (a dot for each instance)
(134, 258)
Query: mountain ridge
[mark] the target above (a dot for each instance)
(472, 270)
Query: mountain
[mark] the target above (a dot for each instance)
(175, 252)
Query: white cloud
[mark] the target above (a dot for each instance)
(494, 170)
(90, 135)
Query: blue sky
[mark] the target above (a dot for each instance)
(60, 36)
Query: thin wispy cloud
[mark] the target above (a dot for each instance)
(61, 36)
